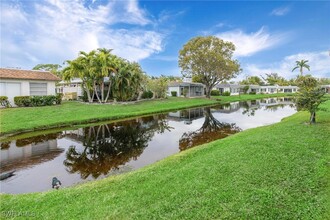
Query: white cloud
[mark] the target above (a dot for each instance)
(280, 11)
(248, 44)
(319, 65)
(56, 30)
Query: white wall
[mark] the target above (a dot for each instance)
(9, 88)
(177, 89)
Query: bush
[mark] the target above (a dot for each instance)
(22, 101)
(4, 101)
(29, 101)
(226, 93)
(3, 98)
(174, 93)
(252, 93)
(147, 95)
(215, 93)
(58, 99)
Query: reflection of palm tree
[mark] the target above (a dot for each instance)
(107, 147)
(211, 130)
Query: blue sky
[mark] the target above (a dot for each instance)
(269, 35)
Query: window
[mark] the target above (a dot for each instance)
(38, 89)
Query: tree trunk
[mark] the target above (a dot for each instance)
(102, 91)
(140, 95)
(312, 118)
(88, 93)
(108, 93)
(208, 92)
(97, 95)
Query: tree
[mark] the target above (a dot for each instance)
(252, 80)
(275, 79)
(53, 68)
(310, 96)
(158, 87)
(209, 58)
(301, 65)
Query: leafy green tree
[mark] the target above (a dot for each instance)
(275, 79)
(301, 65)
(53, 68)
(158, 86)
(310, 96)
(209, 58)
(252, 80)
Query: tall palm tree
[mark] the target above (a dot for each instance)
(301, 65)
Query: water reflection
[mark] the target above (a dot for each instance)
(211, 129)
(95, 152)
(108, 146)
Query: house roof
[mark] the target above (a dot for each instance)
(175, 84)
(233, 86)
(27, 75)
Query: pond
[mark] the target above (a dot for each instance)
(89, 153)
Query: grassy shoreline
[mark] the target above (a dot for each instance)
(18, 120)
(280, 171)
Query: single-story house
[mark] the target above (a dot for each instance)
(235, 89)
(17, 82)
(187, 89)
(326, 88)
(70, 89)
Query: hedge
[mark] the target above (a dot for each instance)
(4, 101)
(226, 93)
(147, 95)
(34, 101)
(215, 92)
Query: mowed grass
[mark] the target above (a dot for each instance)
(75, 113)
(279, 171)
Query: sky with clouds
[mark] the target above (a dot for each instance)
(269, 36)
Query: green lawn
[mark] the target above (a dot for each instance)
(279, 171)
(74, 113)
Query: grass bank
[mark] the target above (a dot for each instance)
(15, 120)
(279, 171)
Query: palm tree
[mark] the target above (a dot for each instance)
(301, 64)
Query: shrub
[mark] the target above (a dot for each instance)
(245, 89)
(226, 93)
(58, 99)
(22, 101)
(147, 95)
(29, 101)
(252, 93)
(4, 101)
(215, 93)
(174, 93)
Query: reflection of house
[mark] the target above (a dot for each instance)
(269, 102)
(21, 157)
(186, 115)
(16, 82)
(228, 108)
(186, 88)
(235, 89)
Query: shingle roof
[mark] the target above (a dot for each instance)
(27, 74)
(175, 84)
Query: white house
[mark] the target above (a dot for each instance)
(73, 86)
(235, 89)
(16, 82)
(187, 88)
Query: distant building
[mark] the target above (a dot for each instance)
(186, 88)
(236, 89)
(70, 89)
(326, 88)
(16, 82)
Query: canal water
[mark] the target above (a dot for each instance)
(85, 154)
